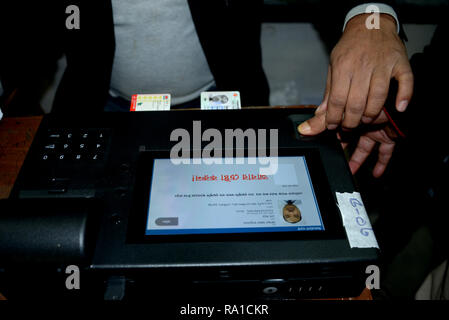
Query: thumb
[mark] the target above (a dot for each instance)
(314, 125)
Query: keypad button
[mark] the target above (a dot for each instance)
(101, 136)
(74, 146)
(96, 157)
(97, 147)
(46, 157)
(65, 147)
(51, 146)
(54, 135)
(84, 135)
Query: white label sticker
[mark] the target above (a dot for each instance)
(355, 220)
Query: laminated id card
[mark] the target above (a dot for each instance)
(220, 100)
(150, 102)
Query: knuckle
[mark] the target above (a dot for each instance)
(333, 120)
(341, 62)
(365, 61)
(365, 143)
(356, 108)
(337, 101)
(396, 54)
(349, 126)
(378, 92)
(371, 113)
(350, 123)
(335, 54)
(342, 66)
(384, 158)
(405, 69)
(407, 76)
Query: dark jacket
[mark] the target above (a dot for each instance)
(418, 176)
(424, 123)
(426, 119)
(36, 36)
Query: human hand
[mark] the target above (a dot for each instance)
(360, 69)
(378, 133)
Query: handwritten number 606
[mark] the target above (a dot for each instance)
(360, 221)
(354, 202)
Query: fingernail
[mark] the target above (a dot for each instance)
(332, 126)
(402, 105)
(367, 119)
(304, 128)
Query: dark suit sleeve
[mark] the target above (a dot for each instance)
(427, 113)
(36, 36)
(422, 157)
(90, 52)
(29, 51)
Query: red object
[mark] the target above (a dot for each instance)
(133, 102)
(390, 119)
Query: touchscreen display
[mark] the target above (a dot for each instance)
(231, 198)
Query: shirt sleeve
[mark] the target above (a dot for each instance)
(373, 7)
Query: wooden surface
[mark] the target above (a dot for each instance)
(365, 295)
(16, 135)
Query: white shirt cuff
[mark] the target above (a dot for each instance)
(373, 7)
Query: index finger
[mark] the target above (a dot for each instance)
(338, 96)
